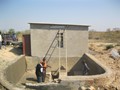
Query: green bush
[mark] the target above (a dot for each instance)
(109, 47)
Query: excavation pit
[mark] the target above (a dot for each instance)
(21, 74)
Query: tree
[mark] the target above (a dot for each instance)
(26, 32)
(11, 31)
(19, 35)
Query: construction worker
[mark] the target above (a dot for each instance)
(44, 64)
(39, 72)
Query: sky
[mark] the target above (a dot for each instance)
(99, 14)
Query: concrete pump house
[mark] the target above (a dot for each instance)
(42, 35)
(61, 44)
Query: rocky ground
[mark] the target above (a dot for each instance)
(98, 49)
(100, 52)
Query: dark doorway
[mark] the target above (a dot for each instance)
(26, 45)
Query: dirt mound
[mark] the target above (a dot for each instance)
(7, 55)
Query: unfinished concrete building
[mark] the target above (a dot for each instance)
(62, 44)
(72, 37)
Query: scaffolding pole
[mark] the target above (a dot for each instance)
(59, 51)
(66, 49)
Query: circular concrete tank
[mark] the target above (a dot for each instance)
(18, 77)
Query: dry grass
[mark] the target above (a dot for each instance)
(109, 37)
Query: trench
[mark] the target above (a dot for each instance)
(21, 74)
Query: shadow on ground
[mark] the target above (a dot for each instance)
(31, 79)
(17, 51)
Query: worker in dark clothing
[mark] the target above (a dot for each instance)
(39, 72)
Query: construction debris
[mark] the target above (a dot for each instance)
(87, 88)
(40, 84)
(114, 54)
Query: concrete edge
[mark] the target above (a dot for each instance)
(3, 80)
(99, 79)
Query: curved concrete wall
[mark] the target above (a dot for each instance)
(74, 64)
(16, 70)
(12, 74)
(100, 74)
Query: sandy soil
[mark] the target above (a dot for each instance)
(7, 55)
